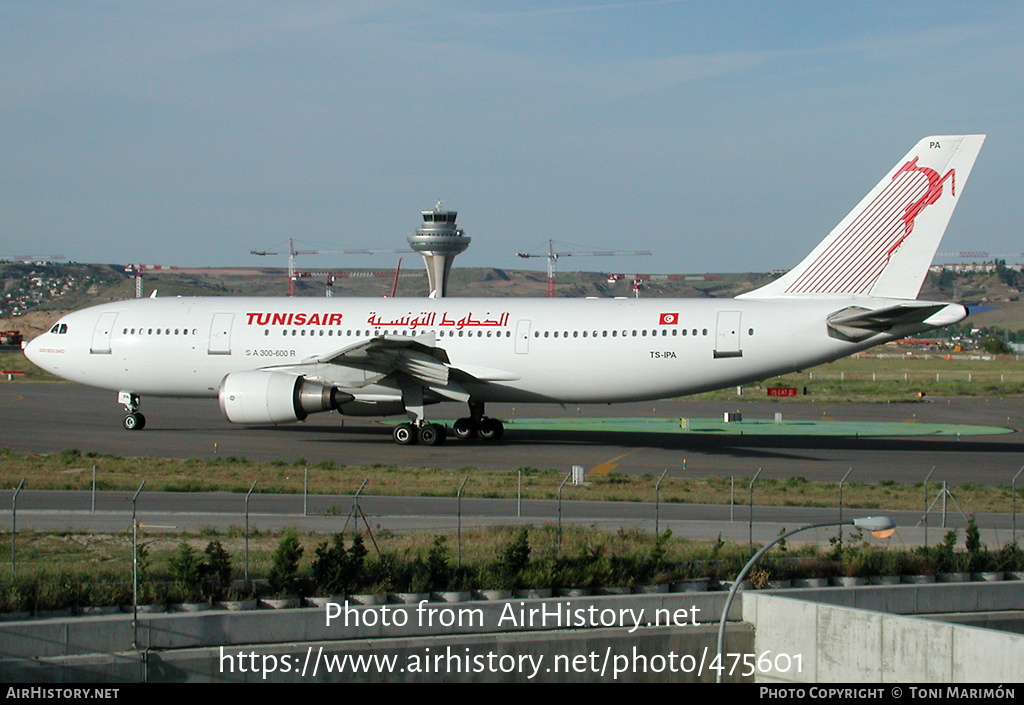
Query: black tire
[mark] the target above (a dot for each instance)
(491, 429)
(432, 434)
(134, 422)
(405, 434)
(464, 428)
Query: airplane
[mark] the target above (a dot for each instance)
(277, 360)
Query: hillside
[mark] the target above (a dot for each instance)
(34, 295)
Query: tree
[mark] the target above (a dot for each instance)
(218, 566)
(188, 572)
(995, 346)
(285, 566)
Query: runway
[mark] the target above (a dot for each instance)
(50, 417)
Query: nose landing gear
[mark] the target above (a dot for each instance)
(133, 420)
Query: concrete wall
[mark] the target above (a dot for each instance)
(850, 644)
(503, 641)
(834, 635)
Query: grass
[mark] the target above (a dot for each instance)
(887, 374)
(72, 470)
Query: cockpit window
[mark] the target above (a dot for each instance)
(59, 328)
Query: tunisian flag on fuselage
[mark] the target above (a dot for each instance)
(668, 319)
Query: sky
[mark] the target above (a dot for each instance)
(721, 136)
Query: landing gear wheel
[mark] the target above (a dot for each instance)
(432, 434)
(405, 434)
(491, 429)
(464, 428)
(134, 422)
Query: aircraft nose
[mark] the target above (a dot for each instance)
(30, 348)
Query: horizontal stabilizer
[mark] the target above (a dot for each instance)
(857, 323)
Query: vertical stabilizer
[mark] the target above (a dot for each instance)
(884, 247)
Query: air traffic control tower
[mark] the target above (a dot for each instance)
(438, 240)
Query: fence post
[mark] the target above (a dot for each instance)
(247, 530)
(841, 483)
(1013, 494)
(657, 504)
(459, 495)
(135, 568)
(750, 512)
(14, 522)
(560, 511)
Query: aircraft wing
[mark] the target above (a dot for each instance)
(857, 323)
(416, 360)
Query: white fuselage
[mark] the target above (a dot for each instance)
(565, 350)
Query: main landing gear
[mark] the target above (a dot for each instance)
(429, 434)
(476, 425)
(133, 420)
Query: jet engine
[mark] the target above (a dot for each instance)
(261, 396)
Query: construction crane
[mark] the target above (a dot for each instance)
(136, 270)
(553, 257)
(38, 258)
(973, 254)
(293, 253)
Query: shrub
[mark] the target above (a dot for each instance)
(217, 567)
(337, 570)
(188, 573)
(285, 565)
(439, 572)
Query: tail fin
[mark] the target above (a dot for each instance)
(884, 247)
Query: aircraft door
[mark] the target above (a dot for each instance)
(101, 333)
(220, 334)
(522, 337)
(727, 335)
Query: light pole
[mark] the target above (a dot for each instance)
(880, 527)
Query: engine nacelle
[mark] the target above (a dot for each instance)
(261, 396)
